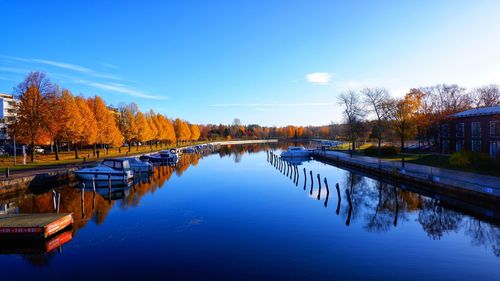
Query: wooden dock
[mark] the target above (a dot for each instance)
(39, 225)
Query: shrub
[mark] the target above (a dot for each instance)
(385, 150)
(461, 159)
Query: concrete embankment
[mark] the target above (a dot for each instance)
(474, 188)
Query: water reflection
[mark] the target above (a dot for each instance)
(352, 200)
(380, 206)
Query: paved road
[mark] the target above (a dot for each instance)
(481, 183)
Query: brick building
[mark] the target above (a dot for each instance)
(476, 130)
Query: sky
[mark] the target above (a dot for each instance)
(265, 62)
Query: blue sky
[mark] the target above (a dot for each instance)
(268, 62)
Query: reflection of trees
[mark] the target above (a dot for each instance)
(437, 220)
(483, 234)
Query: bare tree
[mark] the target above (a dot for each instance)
(353, 113)
(378, 100)
(485, 96)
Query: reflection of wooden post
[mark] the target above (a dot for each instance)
(54, 200)
(287, 167)
(291, 171)
(340, 198)
(348, 221)
(397, 208)
(312, 182)
(327, 193)
(83, 200)
(58, 201)
(109, 181)
(349, 198)
(305, 178)
(319, 189)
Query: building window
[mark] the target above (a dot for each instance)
(459, 145)
(476, 129)
(445, 130)
(494, 128)
(445, 146)
(495, 149)
(476, 145)
(460, 130)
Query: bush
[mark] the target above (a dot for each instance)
(385, 150)
(461, 159)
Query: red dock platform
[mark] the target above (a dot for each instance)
(41, 225)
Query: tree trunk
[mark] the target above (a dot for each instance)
(156, 144)
(94, 148)
(57, 150)
(402, 138)
(137, 146)
(76, 151)
(129, 145)
(379, 143)
(32, 151)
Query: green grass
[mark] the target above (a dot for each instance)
(442, 161)
(67, 158)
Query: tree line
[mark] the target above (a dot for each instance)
(416, 115)
(48, 114)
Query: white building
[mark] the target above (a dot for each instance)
(7, 114)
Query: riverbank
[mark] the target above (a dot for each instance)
(451, 183)
(57, 172)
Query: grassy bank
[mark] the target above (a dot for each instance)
(47, 160)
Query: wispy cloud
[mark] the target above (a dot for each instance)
(81, 75)
(108, 65)
(319, 78)
(63, 65)
(120, 88)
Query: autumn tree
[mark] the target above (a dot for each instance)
(144, 133)
(182, 131)
(33, 109)
(404, 113)
(195, 132)
(107, 128)
(89, 132)
(378, 101)
(353, 112)
(66, 122)
(127, 123)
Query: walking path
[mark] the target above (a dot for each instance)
(480, 183)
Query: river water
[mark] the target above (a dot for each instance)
(232, 215)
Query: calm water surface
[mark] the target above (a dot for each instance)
(232, 215)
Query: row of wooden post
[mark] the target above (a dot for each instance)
(289, 169)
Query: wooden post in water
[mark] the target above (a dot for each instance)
(312, 182)
(327, 193)
(319, 189)
(54, 200)
(287, 167)
(340, 198)
(305, 178)
(58, 201)
(109, 182)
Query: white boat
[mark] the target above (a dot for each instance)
(139, 166)
(296, 151)
(118, 170)
(170, 154)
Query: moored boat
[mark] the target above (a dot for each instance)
(109, 169)
(296, 151)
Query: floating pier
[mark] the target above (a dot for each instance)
(38, 225)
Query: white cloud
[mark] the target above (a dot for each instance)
(320, 78)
